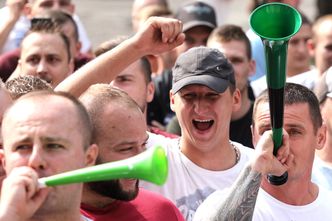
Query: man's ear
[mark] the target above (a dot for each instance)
(91, 155)
(150, 92)
(171, 100)
(311, 47)
(321, 136)
(72, 9)
(252, 67)
(236, 100)
(71, 66)
(27, 9)
(2, 158)
(253, 135)
(78, 47)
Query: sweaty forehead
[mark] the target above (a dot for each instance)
(43, 41)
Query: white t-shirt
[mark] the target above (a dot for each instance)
(22, 26)
(322, 174)
(268, 208)
(307, 79)
(188, 184)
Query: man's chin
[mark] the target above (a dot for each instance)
(124, 189)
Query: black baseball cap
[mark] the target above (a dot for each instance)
(204, 66)
(196, 14)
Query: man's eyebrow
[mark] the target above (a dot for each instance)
(24, 139)
(54, 140)
(294, 126)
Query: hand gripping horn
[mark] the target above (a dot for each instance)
(276, 23)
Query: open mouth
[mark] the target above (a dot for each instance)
(203, 125)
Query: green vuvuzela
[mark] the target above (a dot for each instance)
(151, 165)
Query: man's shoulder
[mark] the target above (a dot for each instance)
(157, 198)
(158, 139)
(162, 208)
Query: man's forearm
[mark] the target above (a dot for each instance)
(100, 70)
(240, 203)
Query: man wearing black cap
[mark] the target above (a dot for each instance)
(198, 19)
(203, 97)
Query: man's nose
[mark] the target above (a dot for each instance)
(36, 159)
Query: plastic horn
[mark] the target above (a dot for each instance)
(276, 23)
(151, 165)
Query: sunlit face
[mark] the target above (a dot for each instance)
(45, 56)
(303, 140)
(298, 57)
(204, 115)
(236, 53)
(323, 47)
(132, 81)
(196, 36)
(48, 141)
(38, 7)
(124, 135)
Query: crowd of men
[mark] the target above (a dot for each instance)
(182, 81)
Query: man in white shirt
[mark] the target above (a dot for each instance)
(298, 198)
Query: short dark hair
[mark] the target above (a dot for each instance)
(96, 98)
(60, 18)
(295, 94)
(227, 33)
(24, 84)
(85, 128)
(47, 26)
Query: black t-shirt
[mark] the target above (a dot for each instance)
(239, 130)
(159, 109)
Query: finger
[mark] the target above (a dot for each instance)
(171, 32)
(179, 39)
(165, 32)
(177, 29)
(265, 142)
(284, 150)
(32, 183)
(41, 195)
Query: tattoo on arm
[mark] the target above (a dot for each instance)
(240, 202)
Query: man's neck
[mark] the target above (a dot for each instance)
(94, 199)
(295, 71)
(218, 158)
(293, 193)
